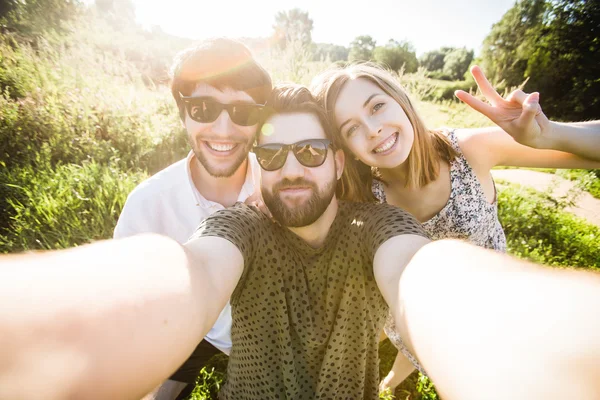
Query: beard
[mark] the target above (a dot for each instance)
(303, 214)
(218, 171)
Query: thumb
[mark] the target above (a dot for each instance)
(531, 107)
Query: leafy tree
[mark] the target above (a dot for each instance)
(34, 18)
(457, 62)
(564, 64)
(361, 48)
(555, 45)
(507, 48)
(434, 60)
(120, 13)
(331, 52)
(292, 26)
(397, 55)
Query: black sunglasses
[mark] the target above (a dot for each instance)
(206, 110)
(310, 153)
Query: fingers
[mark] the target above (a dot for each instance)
(531, 107)
(485, 86)
(261, 207)
(475, 103)
(517, 96)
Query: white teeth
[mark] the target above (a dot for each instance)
(221, 146)
(387, 145)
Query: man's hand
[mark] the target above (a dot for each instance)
(520, 114)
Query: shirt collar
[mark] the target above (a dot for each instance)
(252, 179)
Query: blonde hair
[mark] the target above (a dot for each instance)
(428, 148)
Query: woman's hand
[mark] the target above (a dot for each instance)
(256, 200)
(520, 114)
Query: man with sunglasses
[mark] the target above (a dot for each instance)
(219, 89)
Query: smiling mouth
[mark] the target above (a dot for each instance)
(386, 144)
(221, 147)
(295, 189)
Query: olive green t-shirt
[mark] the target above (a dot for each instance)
(306, 321)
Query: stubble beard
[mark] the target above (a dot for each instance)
(218, 172)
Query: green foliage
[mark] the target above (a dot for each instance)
(34, 19)
(433, 60)
(396, 55)
(210, 379)
(457, 62)
(361, 48)
(554, 45)
(538, 229)
(330, 52)
(510, 43)
(51, 208)
(563, 65)
(292, 26)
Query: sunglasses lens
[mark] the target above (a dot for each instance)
(204, 111)
(272, 157)
(311, 153)
(244, 115)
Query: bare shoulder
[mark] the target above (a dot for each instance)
(477, 146)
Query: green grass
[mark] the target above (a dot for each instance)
(587, 180)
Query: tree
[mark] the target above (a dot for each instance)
(457, 62)
(34, 18)
(555, 45)
(361, 48)
(292, 26)
(507, 48)
(120, 13)
(331, 52)
(396, 55)
(564, 64)
(434, 60)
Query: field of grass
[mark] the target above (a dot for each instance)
(86, 116)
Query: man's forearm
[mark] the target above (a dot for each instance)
(580, 138)
(500, 326)
(91, 322)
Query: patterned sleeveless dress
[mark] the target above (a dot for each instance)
(467, 215)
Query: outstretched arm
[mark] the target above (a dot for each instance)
(521, 116)
(483, 322)
(90, 322)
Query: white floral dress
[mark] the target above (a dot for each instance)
(467, 215)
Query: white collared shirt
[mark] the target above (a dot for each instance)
(168, 203)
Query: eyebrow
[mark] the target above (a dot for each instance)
(364, 105)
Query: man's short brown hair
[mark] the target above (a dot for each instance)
(291, 98)
(220, 63)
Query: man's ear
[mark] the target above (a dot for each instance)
(340, 160)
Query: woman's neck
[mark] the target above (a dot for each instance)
(397, 177)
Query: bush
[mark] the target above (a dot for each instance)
(52, 208)
(538, 229)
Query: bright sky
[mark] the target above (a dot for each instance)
(428, 24)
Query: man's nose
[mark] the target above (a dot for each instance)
(292, 168)
(223, 124)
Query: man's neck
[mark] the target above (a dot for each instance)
(316, 233)
(224, 191)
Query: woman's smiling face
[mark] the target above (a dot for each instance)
(373, 125)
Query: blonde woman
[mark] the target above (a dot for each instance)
(442, 177)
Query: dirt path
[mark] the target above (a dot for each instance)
(586, 207)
